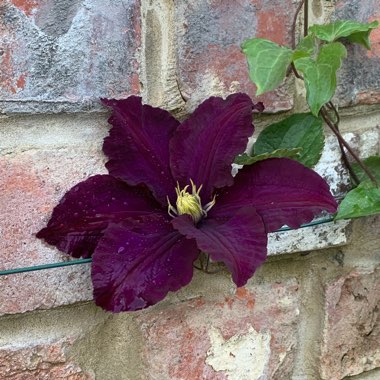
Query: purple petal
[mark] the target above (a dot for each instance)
(240, 241)
(78, 221)
(206, 144)
(138, 145)
(283, 191)
(136, 267)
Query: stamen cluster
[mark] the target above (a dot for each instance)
(189, 204)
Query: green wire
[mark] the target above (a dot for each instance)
(45, 266)
(311, 224)
(86, 261)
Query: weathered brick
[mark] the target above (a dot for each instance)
(209, 34)
(351, 335)
(45, 289)
(41, 361)
(64, 55)
(32, 183)
(250, 335)
(359, 81)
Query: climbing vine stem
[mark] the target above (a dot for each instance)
(344, 144)
(324, 112)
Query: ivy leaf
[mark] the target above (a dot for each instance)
(361, 201)
(373, 164)
(245, 159)
(361, 38)
(355, 31)
(320, 75)
(305, 48)
(267, 63)
(297, 131)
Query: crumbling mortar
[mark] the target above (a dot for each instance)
(158, 64)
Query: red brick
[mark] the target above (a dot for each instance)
(42, 362)
(31, 185)
(65, 55)
(209, 34)
(45, 289)
(178, 340)
(351, 335)
(27, 6)
(359, 81)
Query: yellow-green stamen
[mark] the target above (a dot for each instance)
(189, 204)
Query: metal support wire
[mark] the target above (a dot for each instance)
(45, 266)
(86, 261)
(311, 224)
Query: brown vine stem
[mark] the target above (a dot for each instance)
(293, 31)
(347, 163)
(305, 18)
(353, 175)
(343, 143)
(293, 35)
(295, 72)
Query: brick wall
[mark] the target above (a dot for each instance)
(311, 312)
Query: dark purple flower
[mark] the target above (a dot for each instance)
(170, 194)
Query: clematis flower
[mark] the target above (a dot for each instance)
(170, 194)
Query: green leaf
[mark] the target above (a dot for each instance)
(267, 63)
(362, 201)
(361, 38)
(297, 131)
(245, 159)
(305, 48)
(320, 75)
(355, 31)
(373, 164)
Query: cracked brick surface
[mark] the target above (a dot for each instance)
(351, 333)
(63, 55)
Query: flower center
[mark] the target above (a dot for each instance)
(189, 204)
